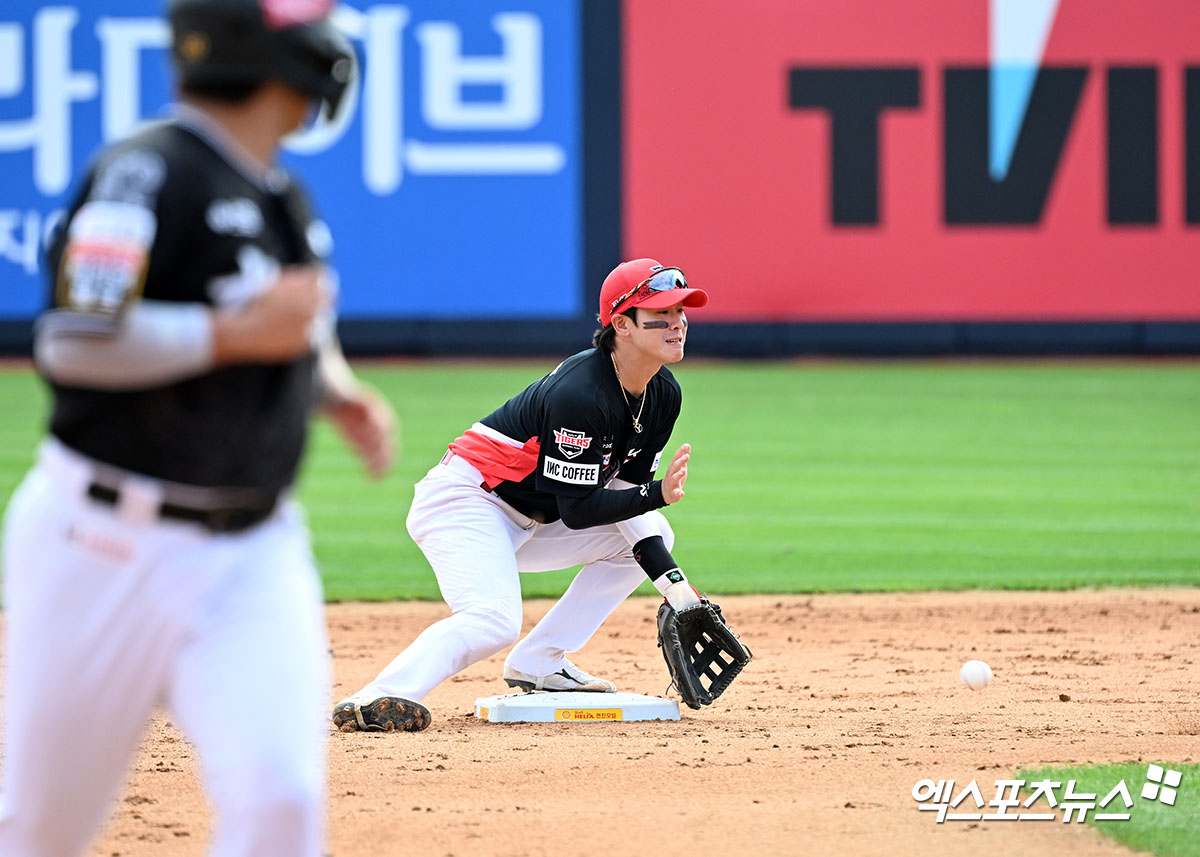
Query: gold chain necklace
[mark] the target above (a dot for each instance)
(637, 420)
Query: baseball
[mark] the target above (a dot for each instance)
(975, 675)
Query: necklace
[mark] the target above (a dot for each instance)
(637, 420)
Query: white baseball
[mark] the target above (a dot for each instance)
(975, 675)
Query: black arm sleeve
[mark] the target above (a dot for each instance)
(605, 506)
(652, 555)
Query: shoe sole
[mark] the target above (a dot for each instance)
(530, 687)
(386, 714)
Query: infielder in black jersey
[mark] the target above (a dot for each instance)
(154, 554)
(562, 474)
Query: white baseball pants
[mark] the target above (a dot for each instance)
(477, 545)
(110, 613)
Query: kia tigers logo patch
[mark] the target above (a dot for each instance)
(571, 443)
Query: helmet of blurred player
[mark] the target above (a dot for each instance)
(242, 43)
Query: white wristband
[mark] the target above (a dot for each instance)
(675, 588)
(154, 344)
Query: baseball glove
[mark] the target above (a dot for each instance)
(697, 645)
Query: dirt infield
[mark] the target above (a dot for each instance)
(850, 701)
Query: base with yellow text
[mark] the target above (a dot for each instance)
(567, 707)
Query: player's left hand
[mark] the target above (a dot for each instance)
(366, 420)
(676, 477)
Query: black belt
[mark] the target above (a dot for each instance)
(230, 519)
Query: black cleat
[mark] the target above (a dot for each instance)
(386, 714)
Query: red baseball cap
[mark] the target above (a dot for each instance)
(645, 283)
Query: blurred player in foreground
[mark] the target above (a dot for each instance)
(560, 475)
(154, 554)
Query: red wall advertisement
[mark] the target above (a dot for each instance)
(867, 160)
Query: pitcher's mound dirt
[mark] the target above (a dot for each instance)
(851, 700)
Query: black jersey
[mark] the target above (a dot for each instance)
(584, 426)
(170, 215)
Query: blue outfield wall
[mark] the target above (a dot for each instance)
(473, 188)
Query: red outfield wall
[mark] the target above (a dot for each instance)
(729, 159)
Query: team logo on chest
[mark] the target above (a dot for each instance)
(571, 443)
(240, 217)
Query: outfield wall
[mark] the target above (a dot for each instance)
(844, 177)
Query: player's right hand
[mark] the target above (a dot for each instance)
(276, 326)
(672, 484)
(366, 420)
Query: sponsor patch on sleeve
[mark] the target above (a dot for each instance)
(107, 253)
(575, 474)
(657, 461)
(133, 176)
(571, 443)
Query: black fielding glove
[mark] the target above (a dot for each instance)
(697, 646)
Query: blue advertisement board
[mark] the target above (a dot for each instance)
(451, 181)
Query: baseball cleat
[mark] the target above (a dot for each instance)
(570, 677)
(386, 714)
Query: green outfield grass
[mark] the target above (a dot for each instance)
(1161, 829)
(820, 476)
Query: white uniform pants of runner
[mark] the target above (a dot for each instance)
(477, 545)
(109, 614)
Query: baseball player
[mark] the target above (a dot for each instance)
(154, 555)
(562, 474)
